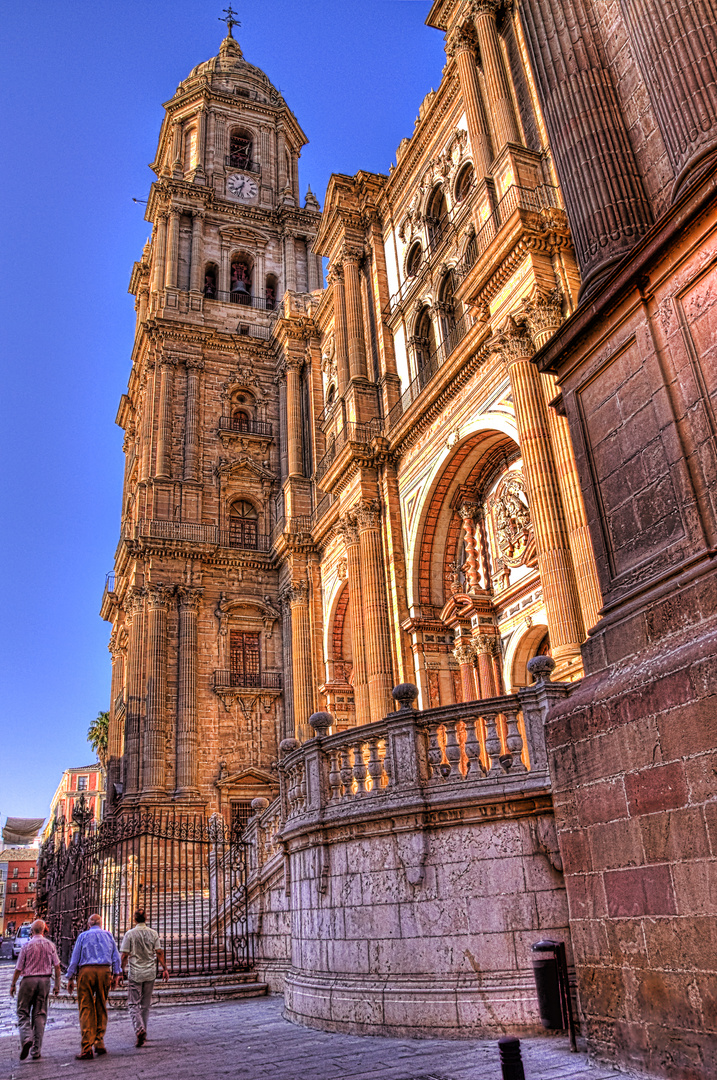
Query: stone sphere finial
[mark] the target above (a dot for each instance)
(287, 746)
(405, 694)
(321, 722)
(540, 668)
(259, 804)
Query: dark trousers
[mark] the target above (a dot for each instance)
(32, 1000)
(93, 986)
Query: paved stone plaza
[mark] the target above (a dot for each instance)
(250, 1040)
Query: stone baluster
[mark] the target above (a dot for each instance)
(543, 316)
(588, 136)
(553, 548)
(375, 768)
(500, 101)
(453, 750)
(135, 696)
(197, 256)
(354, 315)
(675, 46)
(484, 645)
(473, 752)
(346, 772)
(154, 764)
(164, 433)
(191, 422)
(335, 775)
(354, 575)
(159, 251)
(298, 595)
(377, 636)
(435, 754)
(513, 742)
(493, 746)
(187, 727)
(360, 771)
(336, 281)
(172, 262)
(461, 46)
(465, 655)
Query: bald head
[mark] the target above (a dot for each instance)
(38, 927)
(94, 920)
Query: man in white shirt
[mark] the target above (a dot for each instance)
(142, 948)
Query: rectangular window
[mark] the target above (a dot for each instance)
(82, 783)
(13, 904)
(241, 812)
(13, 886)
(244, 663)
(32, 871)
(31, 886)
(15, 871)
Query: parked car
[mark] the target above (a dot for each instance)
(23, 935)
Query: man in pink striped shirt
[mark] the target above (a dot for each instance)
(35, 964)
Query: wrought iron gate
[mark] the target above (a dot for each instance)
(186, 872)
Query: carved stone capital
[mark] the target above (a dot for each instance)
(189, 597)
(335, 275)
(468, 511)
(352, 253)
(159, 597)
(512, 344)
(458, 40)
(484, 643)
(348, 530)
(295, 362)
(543, 315)
(199, 213)
(298, 593)
(464, 653)
(368, 515)
(134, 603)
(194, 363)
(483, 7)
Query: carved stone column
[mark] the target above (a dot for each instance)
(115, 733)
(675, 46)
(135, 693)
(354, 316)
(289, 262)
(155, 730)
(553, 549)
(191, 422)
(298, 596)
(460, 46)
(468, 513)
(379, 668)
(312, 270)
(147, 421)
(500, 101)
(159, 251)
(465, 655)
(177, 147)
(350, 535)
(164, 434)
(336, 281)
(187, 731)
(485, 650)
(172, 250)
(224, 282)
(587, 134)
(543, 316)
(295, 433)
(197, 258)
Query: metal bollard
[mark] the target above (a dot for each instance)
(511, 1061)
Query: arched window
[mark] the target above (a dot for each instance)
(243, 525)
(331, 395)
(240, 149)
(240, 420)
(424, 340)
(437, 217)
(240, 280)
(413, 261)
(211, 273)
(447, 309)
(271, 292)
(464, 182)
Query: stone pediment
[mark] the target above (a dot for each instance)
(248, 778)
(245, 464)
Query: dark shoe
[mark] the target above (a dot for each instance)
(100, 1050)
(35, 1057)
(88, 1056)
(25, 1050)
(141, 1036)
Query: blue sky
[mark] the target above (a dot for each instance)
(84, 85)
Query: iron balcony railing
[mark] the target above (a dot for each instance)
(196, 533)
(244, 299)
(246, 427)
(110, 582)
(350, 432)
(322, 507)
(428, 369)
(241, 161)
(515, 198)
(297, 525)
(261, 680)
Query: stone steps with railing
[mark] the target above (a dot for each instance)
(182, 990)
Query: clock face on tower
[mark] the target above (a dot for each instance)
(242, 187)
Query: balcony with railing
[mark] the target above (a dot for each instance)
(242, 299)
(349, 433)
(193, 532)
(432, 362)
(225, 679)
(515, 198)
(245, 427)
(241, 161)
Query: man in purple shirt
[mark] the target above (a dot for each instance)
(96, 958)
(38, 957)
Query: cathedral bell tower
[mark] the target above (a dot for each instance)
(197, 705)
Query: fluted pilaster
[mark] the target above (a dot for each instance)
(135, 692)
(148, 380)
(187, 730)
(155, 729)
(172, 250)
(191, 421)
(197, 257)
(500, 101)
(354, 316)
(461, 46)
(336, 281)
(290, 262)
(159, 251)
(553, 549)
(298, 597)
(350, 535)
(295, 433)
(115, 732)
(164, 434)
(379, 668)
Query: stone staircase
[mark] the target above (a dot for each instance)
(182, 990)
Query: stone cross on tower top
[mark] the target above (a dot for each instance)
(230, 20)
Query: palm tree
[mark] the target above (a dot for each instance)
(97, 736)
